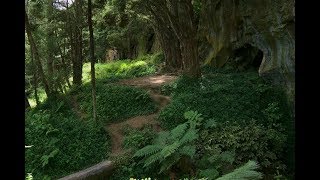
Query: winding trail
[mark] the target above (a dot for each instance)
(152, 84)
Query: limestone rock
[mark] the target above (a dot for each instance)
(268, 25)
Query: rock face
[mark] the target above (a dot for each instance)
(267, 25)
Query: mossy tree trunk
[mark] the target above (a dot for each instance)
(178, 15)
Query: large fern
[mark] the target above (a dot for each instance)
(177, 132)
(148, 150)
(170, 146)
(245, 172)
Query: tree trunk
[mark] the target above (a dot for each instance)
(36, 88)
(35, 80)
(179, 16)
(77, 63)
(183, 22)
(50, 45)
(189, 54)
(168, 40)
(27, 104)
(36, 56)
(64, 65)
(93, 78)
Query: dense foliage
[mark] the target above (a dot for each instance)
(115, 102)
(144, 65)
(253, 116)
(220, 122)
(225, 97)
(138, 138)
(60, 142)
(176, 153)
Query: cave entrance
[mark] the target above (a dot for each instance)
(248, 57)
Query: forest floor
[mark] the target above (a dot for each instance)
(151, 84)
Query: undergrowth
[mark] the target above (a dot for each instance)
(115, 102)
(61, 143)
(119, 69)
(254, 115)
(176, 153)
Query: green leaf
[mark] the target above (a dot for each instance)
(178, 131)
(188, 150)
(189, 136)
(170, 149)
(210, 123)
(162, 137)
(247, 171)
(169, 162)
(148, 150)
(152, 159)
(209, 173)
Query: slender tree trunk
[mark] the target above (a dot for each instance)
(27, 104)
(64, 65)
(36, 56)
(35, 80)
(77, 63)
(93, 78)
(60, 86)
(50, 45)
(36, 88)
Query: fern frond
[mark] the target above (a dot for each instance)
(194, 118)
(178, 131)
(152, 159)
(210, 123)
(188, 150)
(209, 173)
(169, 162)
(247, 171)
(162, 138)
(170, 149)
(148, 150)
(189, 136)
(190, 115)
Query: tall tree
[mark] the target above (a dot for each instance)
(50, 43)
(36, 56)
(93, 78)
(78, 56)
(177, 18)
(35, 79)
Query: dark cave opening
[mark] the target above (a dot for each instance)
(257, 59)
(247, 57)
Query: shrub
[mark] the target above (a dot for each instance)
(144, 65)
(116, 102)
(249, 141)
(61, 143)
(172, 146)
(224, 97)
(255, 115)
(138, 138)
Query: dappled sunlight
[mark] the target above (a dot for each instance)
(149, 81)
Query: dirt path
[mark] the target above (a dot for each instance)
(152, 84)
